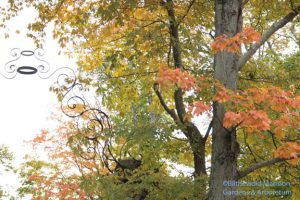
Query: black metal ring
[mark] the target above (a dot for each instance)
(27, 53)
(27, 70)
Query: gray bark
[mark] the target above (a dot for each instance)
(228, 21)
(266, 163)
(225, 149)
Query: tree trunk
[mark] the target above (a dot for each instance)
(197, 144)
(196, 141)
(199, 158)
(228, 21)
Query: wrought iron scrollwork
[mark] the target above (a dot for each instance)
(93, 123)
(12, 68)
(73, 103)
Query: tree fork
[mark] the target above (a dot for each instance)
(196, 141)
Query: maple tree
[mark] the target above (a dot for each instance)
(57, 179)
(152, 63)
(78, 168)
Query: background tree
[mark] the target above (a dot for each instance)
(77, 166)
(6, 158)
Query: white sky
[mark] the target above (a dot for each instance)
(25, 101)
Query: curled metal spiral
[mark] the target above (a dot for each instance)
(12, 68)
(73, 102)
(94, 124)
(93, 121)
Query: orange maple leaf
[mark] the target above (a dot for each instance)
(199, 107)
(175, 77)
(231, 119)
(232, 44)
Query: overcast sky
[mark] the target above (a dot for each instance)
(25, 101)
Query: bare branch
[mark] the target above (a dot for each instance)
(275, 27)
(273, 138)
(271, 48)
(248, 146)
(208, 130)
(169, 53)
(180, 139)
(267, 163)
(133, 74)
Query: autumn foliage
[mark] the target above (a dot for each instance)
(254, 110)
(48, 180)
(171, 77)
(233, 44)
(70, 162)
(288, 150)
(153, 67)
(265, 109)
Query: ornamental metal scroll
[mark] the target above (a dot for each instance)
(73, 102)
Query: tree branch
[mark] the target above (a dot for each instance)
(208, 130)
(133, 74)
(267, 163)
(171, 112)
(275, 27)
(245, 2)
(180, 139)
(248, 146)
(273, 138)
(186, 13)
(174, 37)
